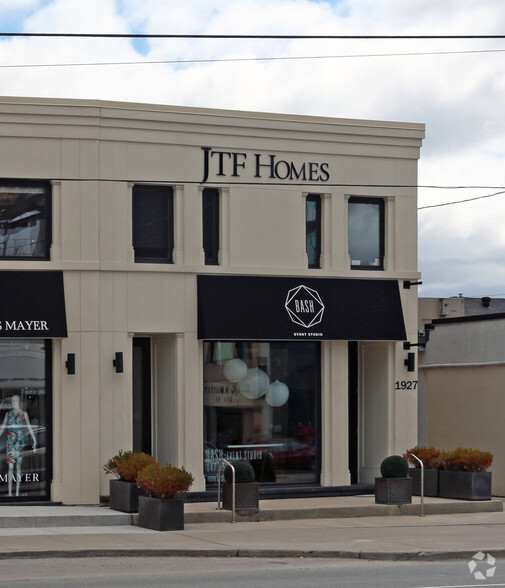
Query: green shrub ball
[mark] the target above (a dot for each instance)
(395, 466)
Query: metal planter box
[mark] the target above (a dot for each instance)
(465, 485)
(431, 482)
(124, 496)
(246, 496)
(393, 490)
(161, 514)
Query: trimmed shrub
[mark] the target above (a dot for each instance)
(164, 481)
(127, 464)
(428, 455)
(394, 466)
(244, 472)
(466, 459)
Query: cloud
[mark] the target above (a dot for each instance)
(458, 95)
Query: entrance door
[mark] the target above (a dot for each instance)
(142, 427)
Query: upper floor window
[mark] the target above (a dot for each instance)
(25, 219)
(313, 229)
(153, 224)
(210, 225)
(366, 233)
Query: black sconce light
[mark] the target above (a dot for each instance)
(70, 364)
(117, 362)
(408, 283)
(410, 362)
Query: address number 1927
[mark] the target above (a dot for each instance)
(406, 385)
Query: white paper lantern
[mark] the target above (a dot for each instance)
(254, 385)
(277, 394)
(235, 370)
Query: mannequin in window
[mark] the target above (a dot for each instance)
(15, 421)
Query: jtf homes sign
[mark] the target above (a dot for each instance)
(233, 164)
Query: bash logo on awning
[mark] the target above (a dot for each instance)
(304, 306)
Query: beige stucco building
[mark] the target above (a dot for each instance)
(461, 374)
(203, 284)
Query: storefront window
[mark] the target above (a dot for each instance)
(261, 404)
(24, 218)
(366, 233)
(23, 420)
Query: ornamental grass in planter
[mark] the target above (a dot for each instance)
(464, 475)
(125, 466)
(431, 458)
(162, 508)
(395, 486)
(246, 488)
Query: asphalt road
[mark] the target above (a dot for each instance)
(154, 572)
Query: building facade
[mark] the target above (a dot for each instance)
(203, 284)
(461, 374)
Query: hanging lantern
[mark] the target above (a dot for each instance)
(235, 370)
(277, 394)
(254, 385)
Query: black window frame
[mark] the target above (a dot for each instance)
(46, 186)
(165, 220)
(210, 225)
(314, 227)
(381, 203)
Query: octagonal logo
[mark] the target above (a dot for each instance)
(304, 306)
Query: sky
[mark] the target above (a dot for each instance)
(456, 87)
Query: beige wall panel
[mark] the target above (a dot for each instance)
(90, 301)
(113, 301)
(89, 417)
(72, 286)
(265, 239)
(67, 432)
(375, 408)
(40, 156)
(71, 221)
(90, 208)
(334, 414)
(114, 204)
(115, 417)
(156, 302)
(465, 407)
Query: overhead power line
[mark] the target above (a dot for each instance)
(236, 36)
(242, 59)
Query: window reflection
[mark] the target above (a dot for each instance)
(366, 233)
(313, 230)
(23, 213)
(260, 405)
(22, 419)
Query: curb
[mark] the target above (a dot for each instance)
(252, 553)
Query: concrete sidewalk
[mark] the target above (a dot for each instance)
(384, 536)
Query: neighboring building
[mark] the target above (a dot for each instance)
(461, 375)
(202, 284)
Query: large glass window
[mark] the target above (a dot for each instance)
(210, 225)
(153, 224)
(24, 413)
(366, 233)
(25, 213)
(261, 404)
(313, 229)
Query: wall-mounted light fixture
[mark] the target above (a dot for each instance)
(70, 364)
(408, 283)
(117, 362)
(410, 362)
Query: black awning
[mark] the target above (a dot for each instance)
(32, 305)
(263, 308)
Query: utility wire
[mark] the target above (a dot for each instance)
(241, 59)
(262, 37)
